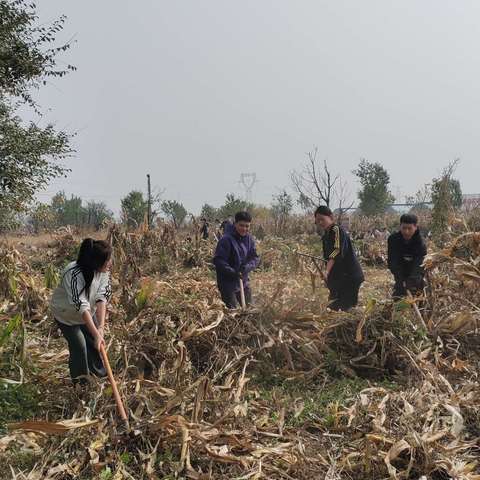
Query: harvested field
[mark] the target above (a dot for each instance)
(284, 390)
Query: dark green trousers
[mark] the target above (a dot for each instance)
(84, 358)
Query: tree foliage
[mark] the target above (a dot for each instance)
(233, 205)
(63, 211)
(29, 154)
(209, 212)
(134, 208)
(282, 206)
(175, 211)
(374, 195)
(97, 213)
(27, 51)
(446, 198)
(42, 217)
(68, 211)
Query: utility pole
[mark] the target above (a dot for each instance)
(149, 212)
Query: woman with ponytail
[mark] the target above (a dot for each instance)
(79, 307)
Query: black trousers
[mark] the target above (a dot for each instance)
(344, 296)
(84, 358)
(414, 284)
(232, 299)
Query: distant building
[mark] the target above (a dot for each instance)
(471, 196)
(471, 200)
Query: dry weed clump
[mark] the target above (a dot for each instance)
(21, 289)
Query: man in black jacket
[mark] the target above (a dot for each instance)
(343, 274)
(406, 252)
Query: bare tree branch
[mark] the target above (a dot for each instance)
(343, 194)
(314, 185)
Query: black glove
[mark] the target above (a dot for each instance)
(236, 275)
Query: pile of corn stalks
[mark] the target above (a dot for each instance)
(454, 293)
(218, 394)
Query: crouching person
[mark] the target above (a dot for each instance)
(406, 252)
(235, 257)
(344, 274)
(79, 305)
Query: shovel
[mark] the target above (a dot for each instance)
(113, 383)
(242, 295)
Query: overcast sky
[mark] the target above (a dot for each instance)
(197, 92)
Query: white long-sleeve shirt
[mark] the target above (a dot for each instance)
(69, 300)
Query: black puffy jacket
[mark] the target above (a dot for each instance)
(405, 258)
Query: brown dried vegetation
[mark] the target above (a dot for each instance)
(286, 389)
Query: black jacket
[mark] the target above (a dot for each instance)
(405, 258)
(337, 246)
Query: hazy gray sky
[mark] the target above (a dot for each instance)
(196, 92)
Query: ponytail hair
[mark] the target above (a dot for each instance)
(91, 257)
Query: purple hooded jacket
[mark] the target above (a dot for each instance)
(234, 254)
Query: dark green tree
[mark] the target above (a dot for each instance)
(97, 213)
(134, 208)
(68, 211)
(29, 154)
(374, 195)
(209, 212)
(63, 211)
(233, 205)
(174, 211)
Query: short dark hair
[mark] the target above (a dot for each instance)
(409, 219)
(243, 217)
(324, 210)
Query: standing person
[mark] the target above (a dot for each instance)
(204, 229)
(406, 252)
(218, 230)
(344, 274)
(79, 308)
(235, 257)
(226, 224)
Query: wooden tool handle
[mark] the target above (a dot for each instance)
(242, 294)
(113, 383)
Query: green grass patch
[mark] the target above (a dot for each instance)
(18, 460)
(17, 402)
(320, 401)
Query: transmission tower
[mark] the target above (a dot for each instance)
(248, 181)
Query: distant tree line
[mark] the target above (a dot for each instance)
(63, 211)
(31, 155)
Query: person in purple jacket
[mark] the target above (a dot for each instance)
(235, 257)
